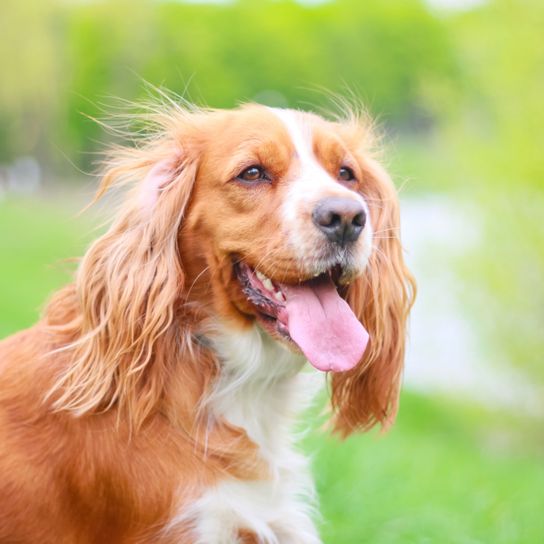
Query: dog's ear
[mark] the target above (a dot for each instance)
(128, 286)
(381, 299)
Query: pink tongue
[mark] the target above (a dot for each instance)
(324, 327)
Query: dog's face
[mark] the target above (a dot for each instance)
(256, 216)
(278, 211)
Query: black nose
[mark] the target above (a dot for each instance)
(341, 219)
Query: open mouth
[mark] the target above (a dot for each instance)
(312, 314)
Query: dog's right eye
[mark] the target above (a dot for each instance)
(254, 173)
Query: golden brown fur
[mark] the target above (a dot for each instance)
(101, 438)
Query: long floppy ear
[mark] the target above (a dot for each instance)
(381, 299)
(128, 286)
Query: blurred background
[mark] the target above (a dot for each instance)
(457, 88)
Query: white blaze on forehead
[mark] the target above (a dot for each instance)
(299, 130)
(311, 178)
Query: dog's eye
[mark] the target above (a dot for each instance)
(346, 174)
(253, 173)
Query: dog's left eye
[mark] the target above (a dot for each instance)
(346, 174)
(253, 174)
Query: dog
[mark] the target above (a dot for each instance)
(154, 401)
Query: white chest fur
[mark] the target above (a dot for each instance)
(261, 389)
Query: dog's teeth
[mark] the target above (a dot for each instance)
(278, 295)
(260, 275)
(267, 282)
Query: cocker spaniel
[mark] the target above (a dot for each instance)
(155, 399)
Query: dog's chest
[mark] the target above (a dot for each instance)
(260, 390)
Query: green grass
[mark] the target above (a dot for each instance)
(36, 240)
(446, 473)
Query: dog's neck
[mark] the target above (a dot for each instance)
(260, 388)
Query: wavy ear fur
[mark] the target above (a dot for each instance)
(128, 286)
(381, 299)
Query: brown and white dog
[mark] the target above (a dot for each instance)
(154, 400)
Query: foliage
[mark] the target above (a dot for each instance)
(496, 135)
(62, 62)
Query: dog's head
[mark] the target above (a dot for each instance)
(258, 216)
